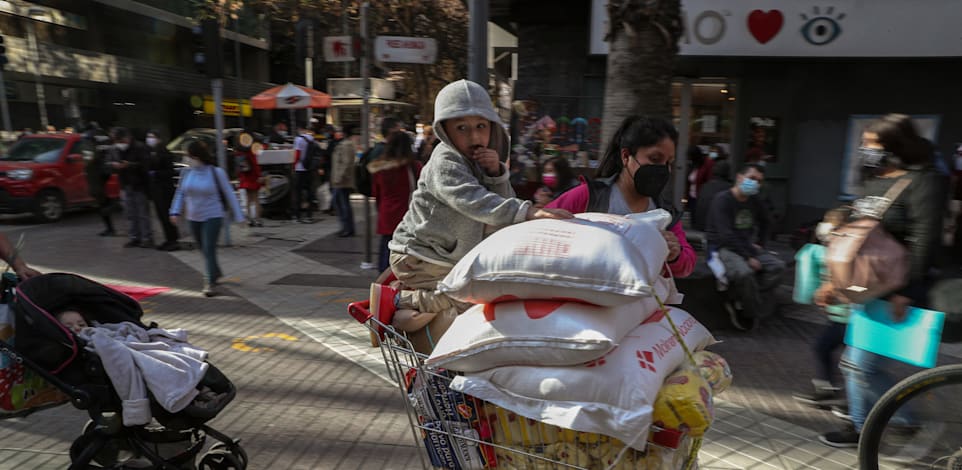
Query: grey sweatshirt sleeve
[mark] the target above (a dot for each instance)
(490, 201)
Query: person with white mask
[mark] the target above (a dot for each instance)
(206, 194)
(129, 161)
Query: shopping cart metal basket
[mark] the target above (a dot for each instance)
(457, 431)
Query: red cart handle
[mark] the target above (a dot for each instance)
(360, 310)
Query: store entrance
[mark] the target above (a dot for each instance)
(704, 112)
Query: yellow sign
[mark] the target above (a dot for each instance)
(240, 344)
(229, 107)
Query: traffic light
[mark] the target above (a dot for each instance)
(199, 56)
(213, 53)
(3, 53)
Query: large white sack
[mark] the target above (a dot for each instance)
(536, 332)
(612, 395)
(596, 258)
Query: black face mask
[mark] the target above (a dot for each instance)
(650, 180)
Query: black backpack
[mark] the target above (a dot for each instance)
(315, 155)
(362, 178)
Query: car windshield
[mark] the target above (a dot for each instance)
(180, 143)
(39, 150)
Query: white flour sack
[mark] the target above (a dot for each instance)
(601, 259)
(612, 395)
(535, 332)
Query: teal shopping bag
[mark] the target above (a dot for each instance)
(809, 264)
(914, 340)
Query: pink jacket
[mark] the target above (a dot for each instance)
(576, 201)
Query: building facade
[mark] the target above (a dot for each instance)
(792, 84)
(123, 62)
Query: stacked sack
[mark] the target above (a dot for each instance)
(570, 348)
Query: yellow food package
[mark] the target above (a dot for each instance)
(715, 370)
(684, 403)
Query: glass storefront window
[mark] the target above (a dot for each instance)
(712, 113)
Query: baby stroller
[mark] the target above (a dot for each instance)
(47, 348)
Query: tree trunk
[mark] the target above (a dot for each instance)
(643, 44)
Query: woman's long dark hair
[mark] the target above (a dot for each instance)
(897, 134)
(399, 146)
(199, 150)
(635, 132)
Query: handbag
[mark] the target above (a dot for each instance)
(864, 261)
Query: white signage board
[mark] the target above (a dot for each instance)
(405, 49)
(809, 28)
(338, 49)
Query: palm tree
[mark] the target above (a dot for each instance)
(643, 36)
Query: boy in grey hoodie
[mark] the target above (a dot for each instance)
(463, 195)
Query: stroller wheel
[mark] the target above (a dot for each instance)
(220, 460)
(109, 449)
(236, 450)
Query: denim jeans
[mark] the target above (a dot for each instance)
(832, 336)
(867, 378)
(205, 234)
(138, 216)
(384, 254)
(342, 204)
(302, 193)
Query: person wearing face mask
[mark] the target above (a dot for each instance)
(278, 134)
(737, 228)
(557, 177)
(892, 151)
(207, 195)
(160, 168)
(129, 160)
(631, 178)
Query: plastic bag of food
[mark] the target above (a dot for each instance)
(684, 403)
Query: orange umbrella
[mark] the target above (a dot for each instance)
(290, 96)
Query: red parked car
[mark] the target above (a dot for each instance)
(44, 174)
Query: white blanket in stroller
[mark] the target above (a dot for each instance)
(136, 359)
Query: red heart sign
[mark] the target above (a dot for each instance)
(764, 25)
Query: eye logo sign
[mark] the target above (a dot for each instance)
(822, 28)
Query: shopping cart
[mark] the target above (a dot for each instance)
(458, 431)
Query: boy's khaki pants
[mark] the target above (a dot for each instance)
(420, 279)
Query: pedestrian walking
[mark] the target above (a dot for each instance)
(206, 194)
(129, 160)
(342, 180)
(893, 152)
(98, 173)
(160, 169)
(250, 180)
(393, 180)
(303, 144)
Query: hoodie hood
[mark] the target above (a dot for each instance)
(466, 98)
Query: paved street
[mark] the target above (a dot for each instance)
(312, 392)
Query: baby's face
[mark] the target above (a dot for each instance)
(73, 320)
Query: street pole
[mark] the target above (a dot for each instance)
(684, 136)
(347, 65)
(41, 97)
(365, 130)
(309, 65)
(478, 42)
(3, 104)
(217, 86)
(237, 73)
